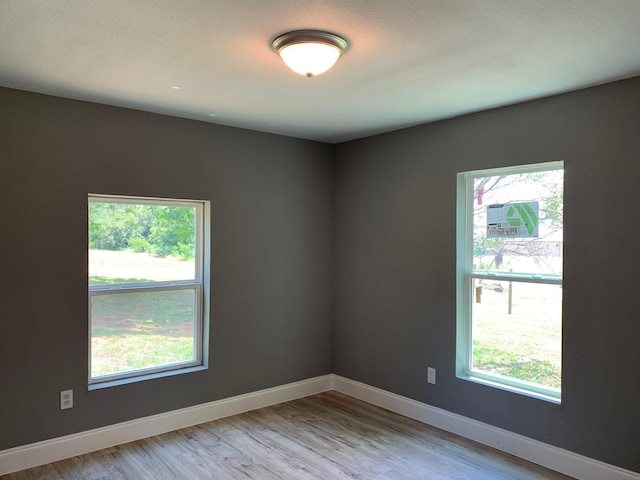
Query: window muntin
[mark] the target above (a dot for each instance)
(146, 290)
(510, 286)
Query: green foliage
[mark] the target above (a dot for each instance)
(184, 251)
(173, 232)
(554, 205)
(111, 225)
(162, 230)
(139, 245)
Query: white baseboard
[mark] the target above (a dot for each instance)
(574, 465)
(35, 454)
(563, 461)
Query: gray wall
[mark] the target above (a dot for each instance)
(394, 278)
(382, 208)
(271, 256)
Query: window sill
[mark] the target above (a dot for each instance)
(512, 389)
(142, 378)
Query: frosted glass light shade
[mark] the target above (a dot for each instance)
(309, 52)
(310, 59)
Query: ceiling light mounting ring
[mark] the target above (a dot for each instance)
(310, 52)
(309, 36)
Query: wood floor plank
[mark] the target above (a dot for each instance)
(328, 436)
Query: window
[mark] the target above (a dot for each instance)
(147, 286)
(509, 277)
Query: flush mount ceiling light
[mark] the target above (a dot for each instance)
(309, 52)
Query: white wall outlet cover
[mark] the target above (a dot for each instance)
(66, 399)
(431, 375)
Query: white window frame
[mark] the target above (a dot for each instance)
(465, 276)
(200, 286)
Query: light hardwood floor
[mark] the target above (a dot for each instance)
(326, 436)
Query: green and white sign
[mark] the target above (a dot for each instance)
(512, 220)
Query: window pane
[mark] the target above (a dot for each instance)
(517, 222)
(131, 243)
(517, 330)
(137, 330)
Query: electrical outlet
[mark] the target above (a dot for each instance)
(66, 399)
(431, 375)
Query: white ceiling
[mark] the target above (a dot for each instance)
(409, 61)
